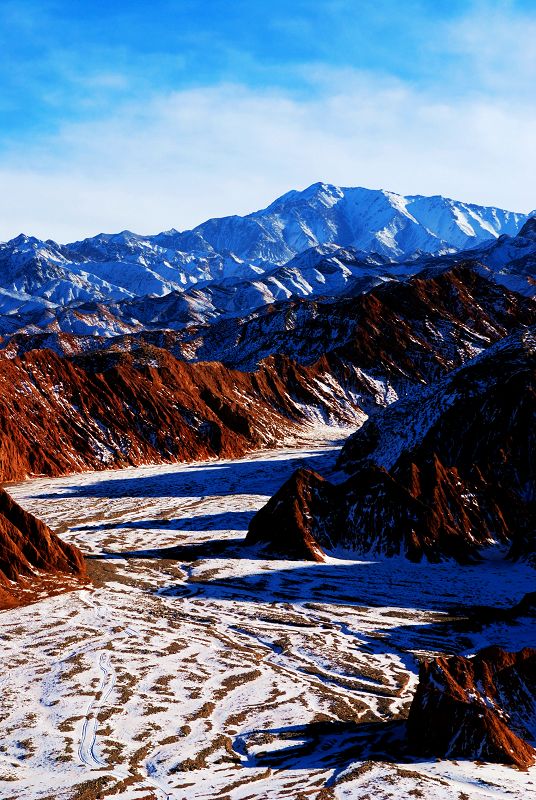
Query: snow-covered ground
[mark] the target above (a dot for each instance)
(210, 671)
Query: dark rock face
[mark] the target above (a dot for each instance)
(370, 513)
(27, 545)
(289, 519)
(466, 448)
(438, 476)
(481, 708)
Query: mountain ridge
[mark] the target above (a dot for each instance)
(140, 401)
(374, 224)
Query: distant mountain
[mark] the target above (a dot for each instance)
(369, 220)
(378, 343)
(438, 474)
(511, 260)
(349, 233)
(326, 270)
(373, 221)
(323, 272)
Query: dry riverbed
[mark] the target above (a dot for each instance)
(194, 667)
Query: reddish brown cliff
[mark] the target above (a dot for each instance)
(30, 551)
(114, 409)
(289, 518)
(481, 708)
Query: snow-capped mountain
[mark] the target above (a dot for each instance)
(373, 221)
(369, 220)
(323, 222)
(36, 273)
(325, 270)
(513, 259)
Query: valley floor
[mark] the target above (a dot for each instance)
(194, 667)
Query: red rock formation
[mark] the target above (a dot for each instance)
(287, 521)
(403, 332)
(29, 549)
(135, 403)
(481, 708)
(438, 476)
(115, 409)
(371, 512)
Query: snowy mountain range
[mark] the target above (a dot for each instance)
(323, 221)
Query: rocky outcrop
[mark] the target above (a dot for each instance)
(481, 708)
(29, 550)
(111, 409)
(436, 476)
(371, 513)
(290, 516)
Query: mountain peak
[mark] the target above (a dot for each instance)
(22, 238)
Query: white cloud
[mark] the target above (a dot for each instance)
(494, 45)
(176, 159)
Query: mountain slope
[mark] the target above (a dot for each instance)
(481, 708)
(107, 410)
(509, 260)
(321, 272)
(138, 401)
(436, 475)
(419, 328)
(413, 331)
(369, 220)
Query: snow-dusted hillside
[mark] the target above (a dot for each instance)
(437, 475)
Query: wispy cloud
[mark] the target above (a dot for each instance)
(494, 46)
(187, 155)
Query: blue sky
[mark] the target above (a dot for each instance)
(150, 115)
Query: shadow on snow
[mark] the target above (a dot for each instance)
(325, 745)
(214, 479)
(224, 521)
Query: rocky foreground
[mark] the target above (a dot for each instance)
(195, 667)
(481, 708)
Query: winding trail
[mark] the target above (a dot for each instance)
(88, 738)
